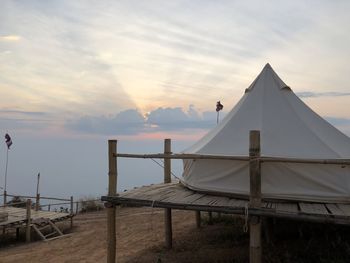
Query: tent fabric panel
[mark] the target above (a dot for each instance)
(290, 181)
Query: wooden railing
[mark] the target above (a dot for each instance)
(255, 159)
(265, 159)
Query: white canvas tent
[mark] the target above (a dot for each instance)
(288, 128)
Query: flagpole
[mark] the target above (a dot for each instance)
(37, 202)
(5, 192)
(219, 107)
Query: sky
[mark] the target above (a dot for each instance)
(74, 74)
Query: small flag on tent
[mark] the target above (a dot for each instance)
(8, 140)
(219, 106)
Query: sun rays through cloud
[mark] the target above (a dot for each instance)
(78, 61)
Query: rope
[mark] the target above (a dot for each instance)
(246, 217)
(162, 165)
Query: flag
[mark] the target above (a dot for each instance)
(219, 106)
(8, 140)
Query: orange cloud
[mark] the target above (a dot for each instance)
(11, 38)
(196, 135)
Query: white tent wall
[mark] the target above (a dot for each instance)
(288, 128)
(309, 182)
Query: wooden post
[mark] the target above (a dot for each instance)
(112, 191)
(71, 212)
(210, 218)
(28, 226)
(167, 162)
(255, 196)
(37, 201)
(76, 208)
(198, 219)
(5, 197)
(17, 233)
(167, 211)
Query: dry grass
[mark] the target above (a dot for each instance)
(140, 239)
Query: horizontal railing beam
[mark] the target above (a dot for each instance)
(305, 160)
(181, 156)
(41, 197)
(234, 158)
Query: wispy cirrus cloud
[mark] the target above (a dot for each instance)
(310, 94)
(95, 59)
(22, 112)
(10, 38)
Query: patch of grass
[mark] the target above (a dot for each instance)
(308, 243)
(90, 204)
(17, 201)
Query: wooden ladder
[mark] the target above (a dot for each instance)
(56, 233)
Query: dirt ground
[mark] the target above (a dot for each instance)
(140, 238)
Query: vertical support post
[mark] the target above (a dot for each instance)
(71, 212)
(37, 201)
(167, 211)
(255, 196)
(198, 219)
(17, 233)
(111, 210)
(76, 208)
(5, 197)
(210, 218)
(28, 226)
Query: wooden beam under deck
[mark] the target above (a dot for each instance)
(176, 196)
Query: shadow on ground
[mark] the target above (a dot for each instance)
(225, 242)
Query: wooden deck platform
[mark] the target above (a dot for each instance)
(17, 217)
(176, 196)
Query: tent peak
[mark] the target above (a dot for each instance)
(268, 78)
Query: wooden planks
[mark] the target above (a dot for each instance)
(335, 210)
(290, 208)
(311, 208)
(18, 215)
(345, 209)
(176, 196)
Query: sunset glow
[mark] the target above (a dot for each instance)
(80, 64)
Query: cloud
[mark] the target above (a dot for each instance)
(125, 122)
(167, 115)
(131, 121)
(6, 52)
(10, 38)
(193, 113)
(20, 112)
(26, 120)
(310, 94)
(338, 121)
(96, 59)
(343, 124)
(175, 119)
